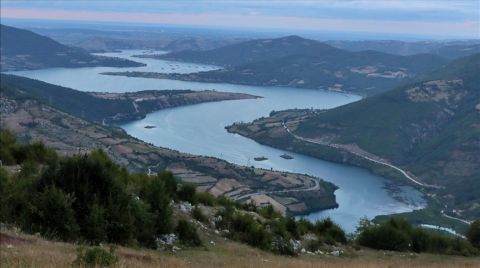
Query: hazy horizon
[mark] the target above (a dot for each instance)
(365, 19)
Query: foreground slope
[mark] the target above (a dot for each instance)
(297, 62)
(32, 251)
(23, 49)
(430, 129)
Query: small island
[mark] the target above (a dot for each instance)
(260, 158)
(286, 156)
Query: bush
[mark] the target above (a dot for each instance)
(187, 233)
(198, 214)
(473, 233)
(399, 235)
(205, 198)
(329, 231)
(95, 256)
(187, 193)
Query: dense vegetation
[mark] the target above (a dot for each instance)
(89, 199)
(23, 49)
(399, 235)
(294, 61)
(427, 127)
(83, 198)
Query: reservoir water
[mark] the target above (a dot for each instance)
(199, 129)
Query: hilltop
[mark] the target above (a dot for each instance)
(23, 49)
(297, 62)
(429, 128)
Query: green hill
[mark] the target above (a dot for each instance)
(430, 128)
(297, 62)
(23, 49)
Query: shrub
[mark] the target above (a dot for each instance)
(187, 193)
(205, 198)
(198, 214)
(398, 234)
(187, 233)
(268, 212)
(330, 231)
(473, 233)
(95, 256)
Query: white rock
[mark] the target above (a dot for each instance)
(335, 253)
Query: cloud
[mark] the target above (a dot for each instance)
(417, 17)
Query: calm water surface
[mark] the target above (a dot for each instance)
(199, 129)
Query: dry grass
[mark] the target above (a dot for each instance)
(30, 251)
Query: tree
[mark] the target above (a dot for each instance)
(155, 194)
(96, 224)
(55, 215)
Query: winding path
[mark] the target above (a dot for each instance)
(337, 146)
(379, 162)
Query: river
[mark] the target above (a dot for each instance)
(199, 129)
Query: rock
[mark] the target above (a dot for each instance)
(212, 243)
(167, 239)
(9, 246)
(185, 207)
(335, 253)
(303, 250)
(296, 245)
(175, 248)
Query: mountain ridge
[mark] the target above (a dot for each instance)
(23, 49)
(297, 62)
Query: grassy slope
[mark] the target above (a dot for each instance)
(33, 251)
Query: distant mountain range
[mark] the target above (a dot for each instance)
(23, 49)
(446, 49)
(297, 62)
(112, 40)
(430, 128)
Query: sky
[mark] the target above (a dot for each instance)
(443, 18)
